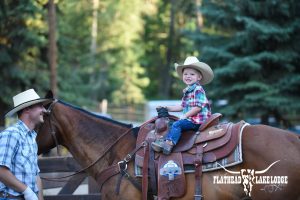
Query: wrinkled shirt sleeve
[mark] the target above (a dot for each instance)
(199, 99)
(8, 147)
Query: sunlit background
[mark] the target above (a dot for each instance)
(114, 57)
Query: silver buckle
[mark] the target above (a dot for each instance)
(119, 164)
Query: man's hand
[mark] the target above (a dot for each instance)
(29, 194)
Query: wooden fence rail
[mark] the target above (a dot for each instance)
(128, 113)
(55, 167)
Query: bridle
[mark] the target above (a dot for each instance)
(112, 170)
(52, 131)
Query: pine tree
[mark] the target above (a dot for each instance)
(22, 50)
(165, 44)
(110, 71)
(253, 47)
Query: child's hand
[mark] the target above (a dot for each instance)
(162, 111)
(159, 107)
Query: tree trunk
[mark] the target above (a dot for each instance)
(165, 76)
(199, 17)
(99, 76)
(281, 120)
(264, 119)
(94, 27)
(52, 56)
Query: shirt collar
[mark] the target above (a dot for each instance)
(24, 128)
(190, 88)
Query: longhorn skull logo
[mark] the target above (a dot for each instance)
(248, 176)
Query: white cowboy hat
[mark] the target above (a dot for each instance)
(25, 99)
(193, 62)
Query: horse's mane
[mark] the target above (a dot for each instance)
(95, 115)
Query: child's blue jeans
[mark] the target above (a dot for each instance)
(177, 128)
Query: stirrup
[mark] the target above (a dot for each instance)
(157, 145)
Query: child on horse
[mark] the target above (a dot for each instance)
(195, 106)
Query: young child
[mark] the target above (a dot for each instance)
(195, 106)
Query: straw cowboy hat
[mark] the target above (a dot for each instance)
(194, 63)
(26, 99)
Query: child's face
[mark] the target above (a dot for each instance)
(191, 76)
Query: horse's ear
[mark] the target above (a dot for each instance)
(49, 94)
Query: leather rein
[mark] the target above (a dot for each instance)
(121, 166)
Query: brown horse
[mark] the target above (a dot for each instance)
(104, 142)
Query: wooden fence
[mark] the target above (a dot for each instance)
(127, 113)
(54, 167)
(134, 113)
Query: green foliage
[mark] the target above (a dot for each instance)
(253, 48)
(75, 64)
(114, 70)
(22, 41)
(122, 50)
(156, 38)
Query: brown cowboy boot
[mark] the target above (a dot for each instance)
(167, 147)
(157, 145)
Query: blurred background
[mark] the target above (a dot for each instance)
(116, 57)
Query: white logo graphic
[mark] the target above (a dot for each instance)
(249, 177)
(170, 169)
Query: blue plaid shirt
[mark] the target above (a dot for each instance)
(18, 152)
(194, 96)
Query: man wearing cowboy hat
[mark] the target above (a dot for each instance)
(195, 106)
(19, 171)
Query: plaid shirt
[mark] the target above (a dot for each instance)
(194, 96)
(18, 152)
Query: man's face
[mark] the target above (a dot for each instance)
(36, 113)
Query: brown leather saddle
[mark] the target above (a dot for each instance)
(211, 142)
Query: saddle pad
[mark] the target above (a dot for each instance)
(233, 159)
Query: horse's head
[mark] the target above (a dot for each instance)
(47, 132)
(78, 129)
